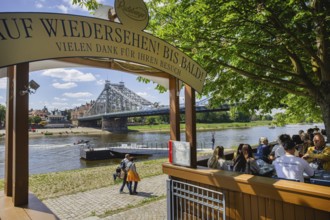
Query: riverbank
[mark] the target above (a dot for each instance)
(62, 132)
(139, 128)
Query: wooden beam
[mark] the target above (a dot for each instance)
(21, 136)
(174, 109)
(113, 65)
(190, 111)
(9, 133)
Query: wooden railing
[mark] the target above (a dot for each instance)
(255, 197)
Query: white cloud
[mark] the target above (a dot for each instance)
(60, 99)
(100, 82)
(3, 83)
(1, 97)
(143, 94)
(63, 8)
(39, 5)
(68, 85)
(69, 75)
(59, 104)
(77, 94)
(146, 95)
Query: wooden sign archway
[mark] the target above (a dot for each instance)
(34, 37)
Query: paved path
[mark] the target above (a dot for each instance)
(91, 204)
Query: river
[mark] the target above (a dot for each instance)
(58, 153)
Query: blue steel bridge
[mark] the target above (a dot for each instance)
(116, 104)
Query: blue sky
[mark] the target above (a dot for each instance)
(68, 88)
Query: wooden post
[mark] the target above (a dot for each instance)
(174, 109)
(21, 136)
(9, 133)
(190, 113)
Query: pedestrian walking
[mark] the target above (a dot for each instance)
(132, 176)
(123, 167)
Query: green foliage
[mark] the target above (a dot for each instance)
(2, 113)
(89, 4)
(35, 119)
(212, 117)
(267, 118)
(158, 87)
(239, 116)
(258, 54)
(152, 120)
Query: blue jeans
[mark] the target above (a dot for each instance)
(124, 183)
(130, 187)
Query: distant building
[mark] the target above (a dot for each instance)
(80, 112)
(57, 119)
(43, 113)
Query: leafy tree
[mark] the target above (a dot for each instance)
(267, 117)
(36, 119)
(2, 115)
(151, 120)
(238, 116)
(89, 4)
(263, 54)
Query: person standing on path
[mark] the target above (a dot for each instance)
(132, 176)
(123, 166)
(213, 140)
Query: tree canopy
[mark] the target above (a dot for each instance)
(263, 54)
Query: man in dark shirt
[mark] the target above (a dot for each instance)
(123, 165)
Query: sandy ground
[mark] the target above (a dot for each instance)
(63, 131)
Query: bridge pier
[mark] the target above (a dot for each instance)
(90, 124)
(114, 124)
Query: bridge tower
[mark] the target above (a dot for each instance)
(115, 98)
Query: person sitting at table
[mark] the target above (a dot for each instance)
(245, 162)
(238, 151)
(263, 149)
(289, 166)
(306, 143)
(278, 149)
(217, 160)
(319, 155)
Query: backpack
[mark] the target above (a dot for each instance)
(122, 165)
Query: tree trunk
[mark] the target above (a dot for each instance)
(326, 118)
(325, 107)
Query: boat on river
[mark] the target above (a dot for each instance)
(81, 142)
(89, 152)
(119, 151)
(138, 149)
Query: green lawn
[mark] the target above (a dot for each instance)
(200, 126)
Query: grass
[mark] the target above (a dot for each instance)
(199, 126)
(51, 185)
